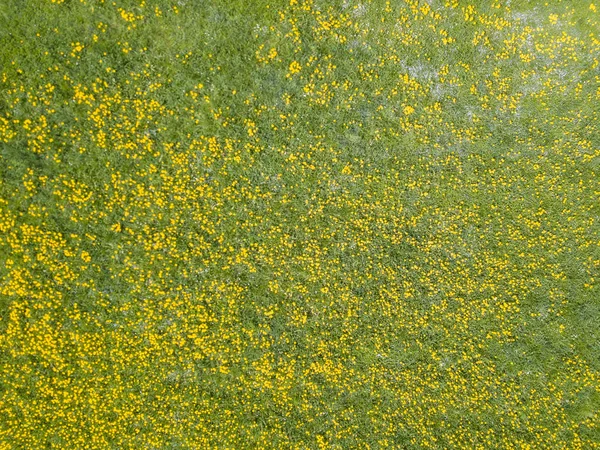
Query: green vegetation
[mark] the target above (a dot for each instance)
(303, 224)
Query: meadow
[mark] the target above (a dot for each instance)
(301, 224)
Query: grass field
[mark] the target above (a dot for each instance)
(311, 224)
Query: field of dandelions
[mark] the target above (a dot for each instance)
(300, 224)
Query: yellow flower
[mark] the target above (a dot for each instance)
(294, 68)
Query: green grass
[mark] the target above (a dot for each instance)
(395, 246)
